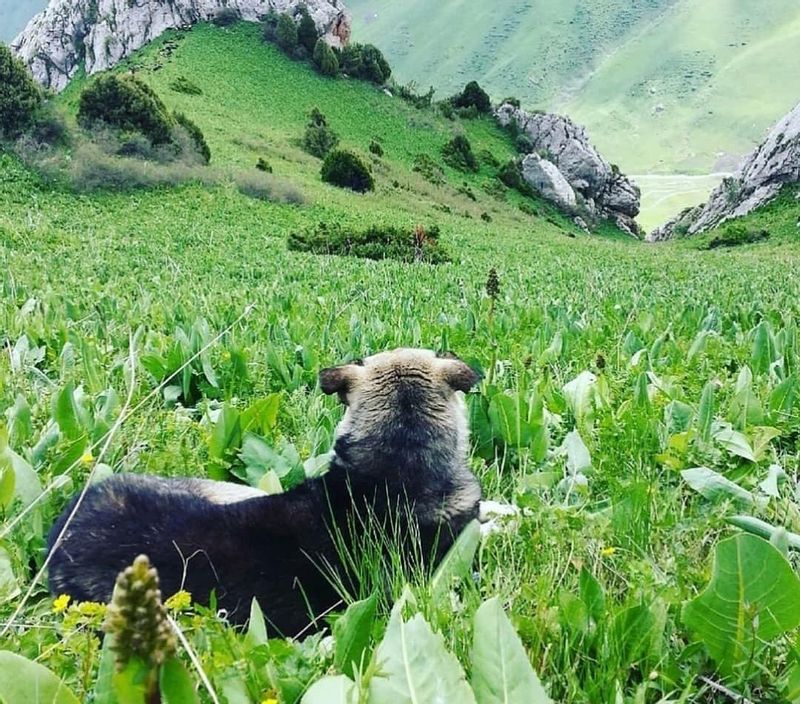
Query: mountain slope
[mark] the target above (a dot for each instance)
(661, 86)
(15, 14)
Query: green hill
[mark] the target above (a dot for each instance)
(610, 367)
(15, 14)
(662, 85)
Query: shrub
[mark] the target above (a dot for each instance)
(375, 148)
(410, 95)
(447, 109)
(511, 175)
(511, 100)
(523, 144)
(269, 27)
(737, 234)
(225, 17)
(429, 169)
(376, 242)
(196, 135)
(263, 165)
(473, 96)
(365, 61)
(20, 96)
(319, 139)
(346, 170)
(183, 85)
(286, 33)
(307, 33)
(488, 158)
(458, 154)
(128, 104)
(325, 59)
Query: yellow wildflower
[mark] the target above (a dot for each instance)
(608, 551)
(60, 603)
(270, 701)
(179, 601)
(87, 457)
(90, 608)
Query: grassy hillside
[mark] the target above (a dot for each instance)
(663, 86)
(15, 14)
(660, 359)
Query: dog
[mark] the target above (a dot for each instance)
(399, 467)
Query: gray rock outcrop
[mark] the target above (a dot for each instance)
(544, 177)
(761, 176)
(103, 32)
(604, 191)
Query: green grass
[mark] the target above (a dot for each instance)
(723, 71)
(83, 273)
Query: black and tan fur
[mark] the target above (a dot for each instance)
(403, 442)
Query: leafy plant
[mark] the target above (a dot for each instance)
(458, 154)
(346, 170)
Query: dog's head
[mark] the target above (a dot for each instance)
(408, 388)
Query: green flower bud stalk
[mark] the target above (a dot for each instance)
(136, 618)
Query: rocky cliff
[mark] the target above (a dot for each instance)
(565, 168)
(102, 32)
(775, 163)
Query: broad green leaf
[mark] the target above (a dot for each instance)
(578, 458)
(175, 683)
(713, 486)
(103, 684)
(262, 415)
(457, 563)
(580, 394)
(592, 595)
(256, 626)
(769, 486)
(481, 432)
(764, 351)
(65, 413)
(745, 409)
(7, 481)
(25, 682)
(707, 411)
(762, 438)
(632, 634)
(134, 683)
(270, 483)
(753, 597)
(352, 632)
(698, 345)
(733, 441)
(332, 690)
(9, 588)
(27, 486)
(20, 428)
(678, 417)
(782, 398)
(501, 670)
(226, 436)
(756, 526)
(415, 667)
(509, 417)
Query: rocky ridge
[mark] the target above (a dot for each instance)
(761, 176)
(566, 169)
(103, 32)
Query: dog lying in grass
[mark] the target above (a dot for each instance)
(399, 468)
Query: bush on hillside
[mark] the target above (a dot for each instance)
(344, 169)
(225, 17)
(473, 96)
(319, 139)
(269, 26)
(510, 174)
(325, 59)
(183, 85)
(196, 135)
(286, 33)
(366, 62)
(429, 169)
(736, 234)
(524, 144)
(376, 242)
(410, 95)
(307, 33)
(458, 154)
(263, 165)
(128, 104)
(20, 96)
(375, 148)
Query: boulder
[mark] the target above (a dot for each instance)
(761, 176)
(605, 192)
(545, 178)
(100, 33)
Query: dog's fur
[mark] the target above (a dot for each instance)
(403, 442)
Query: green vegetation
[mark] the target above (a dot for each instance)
(385, 242)
(286, 33)
(458, 154)
(319, 139)
(639, 403)
(128, 104)
(364, 61)
(346, 170)
(20, 96)
(662, 86)
(473, 96)
(325, 59)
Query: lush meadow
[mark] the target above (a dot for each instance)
(635, 398)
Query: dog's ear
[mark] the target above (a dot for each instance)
(338, 380)
(459, 375)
